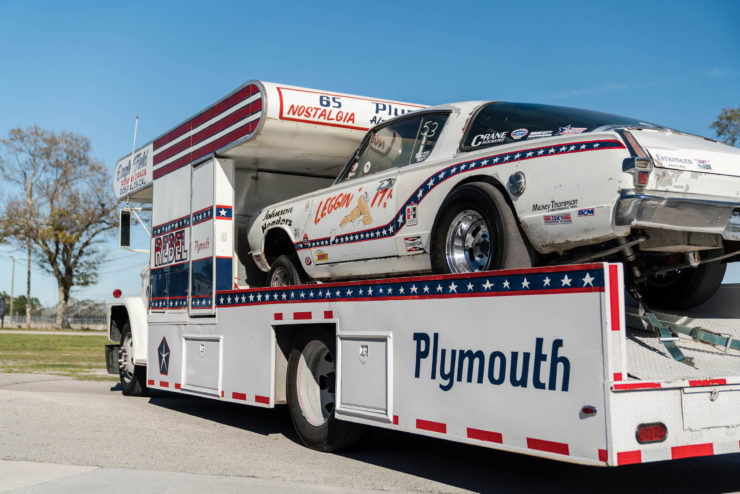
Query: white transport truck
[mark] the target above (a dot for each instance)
(548, 361)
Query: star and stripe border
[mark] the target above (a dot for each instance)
(399, 219)
(535, 281)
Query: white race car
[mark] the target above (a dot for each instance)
(476, 186)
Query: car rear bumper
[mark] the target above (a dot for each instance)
(691, 215)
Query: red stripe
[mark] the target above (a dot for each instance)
(603, 456)
(262, 399)
(614, 296)
(617, 376)
(208, 132)
(178, 386)
(150, 382)
(208, 114)
(222, 393)
(637, 386)
(328, 314)
(707, 382)
(678, 452)
(629, 457)
(297, 316)
(206, 149)
(428, 425)
(239, 396)
(481, 435)
(549, 446)
(278, 316)
(395, 420)
(164, 384)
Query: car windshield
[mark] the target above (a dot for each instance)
(400, 143)
(503, 123)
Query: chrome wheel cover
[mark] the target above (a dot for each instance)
(468, 245)
(315, 381)
(280, 277)
(126, 359)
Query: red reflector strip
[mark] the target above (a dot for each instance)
(603, 456)
(222, 393)
(629, 457)
(238, 396)
(481, 435)
(707, 382)
(614, 296)
(178, 386)
(549, 446)
(297, 316)
(637, 386)
(395, 420)
(678, 452)
(278, 316)
(150, 382)
(164, 384)
(428, 425)
(328, 314)
(262, 399)
(617, 376)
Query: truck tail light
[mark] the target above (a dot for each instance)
(117, 293)
(651, 433)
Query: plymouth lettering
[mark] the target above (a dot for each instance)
(520, 368)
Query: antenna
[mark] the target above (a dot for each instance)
(133, 148)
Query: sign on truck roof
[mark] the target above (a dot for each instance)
(262, 125)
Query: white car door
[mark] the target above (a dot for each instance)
(356, 219)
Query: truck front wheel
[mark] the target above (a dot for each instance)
(311, 383)
(133, 377)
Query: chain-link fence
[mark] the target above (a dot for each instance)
(90, 321)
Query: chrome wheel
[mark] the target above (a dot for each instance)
(126, 359)
(468, 243)
(280, 277)
(315, 383)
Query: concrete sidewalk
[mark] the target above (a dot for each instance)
(40, 478)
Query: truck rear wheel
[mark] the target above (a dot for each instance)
(477, 231)
(133, 377)
(311, 383)
(684, 288)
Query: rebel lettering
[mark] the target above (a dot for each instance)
(472, 366)
(170, 248)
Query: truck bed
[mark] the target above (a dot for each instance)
(648, 359)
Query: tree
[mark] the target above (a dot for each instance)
(59, 204)
(727, 125)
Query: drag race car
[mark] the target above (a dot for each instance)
(477, 186)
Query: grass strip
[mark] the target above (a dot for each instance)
(81, 357)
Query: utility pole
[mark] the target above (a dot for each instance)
(12, 286)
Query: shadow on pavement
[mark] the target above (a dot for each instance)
(475, 468)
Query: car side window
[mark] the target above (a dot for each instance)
(399, 144)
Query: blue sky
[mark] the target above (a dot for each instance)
(91, 67)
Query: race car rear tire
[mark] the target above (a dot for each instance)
(310, 384)
(133, 377)
(476, 231)
(684, 288)
(284, 272)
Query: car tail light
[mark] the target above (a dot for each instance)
(639, 164)
(651, 433)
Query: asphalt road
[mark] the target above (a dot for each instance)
(98, 440)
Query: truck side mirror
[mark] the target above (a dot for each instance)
(124, 238)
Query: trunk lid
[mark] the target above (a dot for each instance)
(689, 153)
